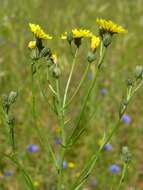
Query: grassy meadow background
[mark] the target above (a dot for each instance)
(123, 55)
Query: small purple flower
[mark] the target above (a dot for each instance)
(94, 183)
(126, 118)
(57, 140)
(114, 168)
(65, 164)
(107, 147)
(8, 173)
(32, 148)
(103, 91)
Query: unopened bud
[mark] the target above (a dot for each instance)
(11, 121)
(35, 54)
(126, 155)
(56, 71)
(12, 97)
(139, 71)
(91, 56)
(129, 82)
(5, 103)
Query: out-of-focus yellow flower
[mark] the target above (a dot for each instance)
(38, 32)
(36, 183)
(78, 33)
(109, 26)
(54, 58)
(57, 130)
(32, 44)
(95, 41)
(71, 165)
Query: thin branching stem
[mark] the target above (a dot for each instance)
(70, 76)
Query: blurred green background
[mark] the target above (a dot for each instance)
(123, 55)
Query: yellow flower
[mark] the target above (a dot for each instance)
(38, 32)
(95, 41)
(80, 33)
(32, 44)
(36, 183)
(64, 36)
(109, 26)
(54, 58)
(71, 165)
(77, 33)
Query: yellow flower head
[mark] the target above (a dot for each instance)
(77, 33)
(80, 33)
(54, 58)
(95, 41)
(32, 44)
(38, 32)
(36, 183)
(71, 165)
(109, 26)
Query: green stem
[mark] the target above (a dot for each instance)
(91, 163)
(69, 79)
(79, 85)
(122, 176)
(102, 54)
(38, 131)
(61, 121)
(26, 177)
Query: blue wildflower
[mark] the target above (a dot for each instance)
(93, 183)
(103, 91)
(107, 147)
(8, 173)
(57, 140)
(32, 148)
(114, 168)
(65, 164)
(126, 118)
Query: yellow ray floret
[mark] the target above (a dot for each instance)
(95, 41)
(32, 44)
(77, 33)
(38, 32)
(109, 26)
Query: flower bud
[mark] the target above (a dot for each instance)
(129, 82)
(11, 121)
(45, 52)
(139, 71)
(126, 155)
(12, 97)
(56, 71)
(91, 56)
(35, 54)
(107, 39)
(5, 103)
